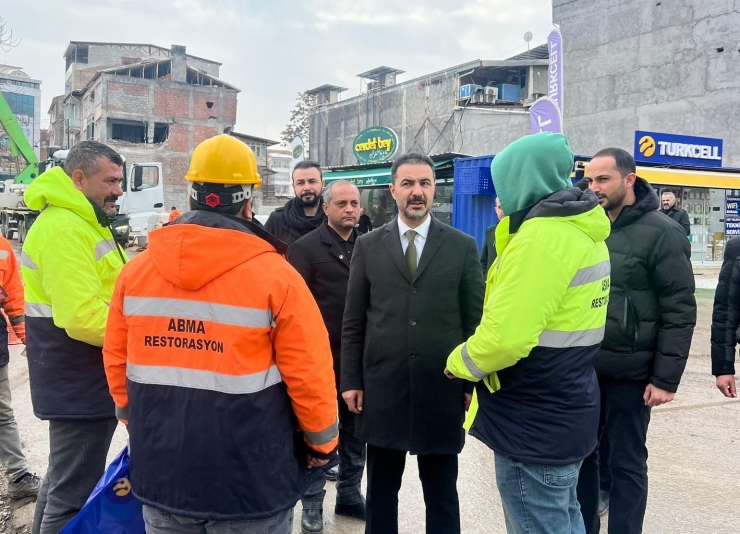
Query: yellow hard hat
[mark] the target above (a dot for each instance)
(223, 160)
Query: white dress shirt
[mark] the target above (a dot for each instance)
(421, 238)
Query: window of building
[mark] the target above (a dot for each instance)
(20, 104)
(161, 132)
(129, 132)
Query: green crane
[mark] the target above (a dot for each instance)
(19, 145)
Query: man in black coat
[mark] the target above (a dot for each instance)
(301, 214)
(650, 323)
(415, 293)
(323, 257)
(726, 320)
(674, 212)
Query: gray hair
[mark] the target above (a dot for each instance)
(330, 188)
(669, 194)
(85, 156)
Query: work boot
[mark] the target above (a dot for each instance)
(356, 510)
(603, 502)
(26, 486)
(332, 473)
(312, 522)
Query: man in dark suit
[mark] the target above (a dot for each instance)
(322, 257)
(668, 201)
(415, 292)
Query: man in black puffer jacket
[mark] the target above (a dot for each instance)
(650, 323)
(726, 320)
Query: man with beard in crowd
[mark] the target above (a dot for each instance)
(301, 214)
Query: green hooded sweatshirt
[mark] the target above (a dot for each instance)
(531, 169)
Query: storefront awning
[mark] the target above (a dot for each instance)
(373, 177)
(690, 177)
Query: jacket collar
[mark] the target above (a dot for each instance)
(645, 201)
(330, 241)
(392, 241)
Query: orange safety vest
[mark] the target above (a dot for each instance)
(216, 352)
(174, 215)
(14, 304)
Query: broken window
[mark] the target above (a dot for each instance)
(129, 132)
(161, 132)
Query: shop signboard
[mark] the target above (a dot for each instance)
(732, 207)
(732, 228)
(375, 145)
(670, 149)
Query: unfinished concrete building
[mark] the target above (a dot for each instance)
(147, 102)
(475, 108)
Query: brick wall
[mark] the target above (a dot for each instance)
(229, 107)
(201, 133)
(179, 140)
(128, 98)
(170, 102)
(201, 111)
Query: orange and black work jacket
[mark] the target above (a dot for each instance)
(13, 303)
(216, 353)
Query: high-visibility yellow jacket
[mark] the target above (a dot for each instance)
(543, 322)
(69, 264)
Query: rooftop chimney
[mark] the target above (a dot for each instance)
(179, 64)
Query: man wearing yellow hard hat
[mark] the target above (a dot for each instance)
(213, 360)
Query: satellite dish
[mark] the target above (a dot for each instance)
(528, 36)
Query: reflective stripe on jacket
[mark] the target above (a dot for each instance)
(216, 353)
(543, 321)
(69, 265)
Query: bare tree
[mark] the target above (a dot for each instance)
(7, 39)
(299, 119)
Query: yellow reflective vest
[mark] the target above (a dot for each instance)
(69, 265)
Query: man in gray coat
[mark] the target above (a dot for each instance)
(415, 292)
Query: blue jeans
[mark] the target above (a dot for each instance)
(539, 499)
(159, 522)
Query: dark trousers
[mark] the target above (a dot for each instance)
(438, 474)
(77, 456)
(351, 465)
(625, 419)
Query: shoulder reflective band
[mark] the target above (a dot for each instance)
(4, 254)
(591, 274)
(104, 247)
(196, 309)
(27, 262)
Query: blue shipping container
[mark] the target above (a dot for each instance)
(509, 92)
(472, 211)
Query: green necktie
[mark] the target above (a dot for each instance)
(411, 256)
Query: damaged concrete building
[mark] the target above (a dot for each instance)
(147, 102)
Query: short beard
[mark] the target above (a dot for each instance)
(309, 203)
(415, 215)
(616, 200)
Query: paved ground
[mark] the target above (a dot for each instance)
(694, 453)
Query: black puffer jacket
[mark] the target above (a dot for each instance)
(726, 313)
(652, 310)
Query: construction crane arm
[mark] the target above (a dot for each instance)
(19, 145)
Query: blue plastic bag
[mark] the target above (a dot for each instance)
(112, 507)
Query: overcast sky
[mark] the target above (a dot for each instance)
(272, 49)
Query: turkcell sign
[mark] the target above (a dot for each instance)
(669, 149)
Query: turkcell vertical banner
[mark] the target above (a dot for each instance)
(555, 71)
(544, 116)
(299, 152)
